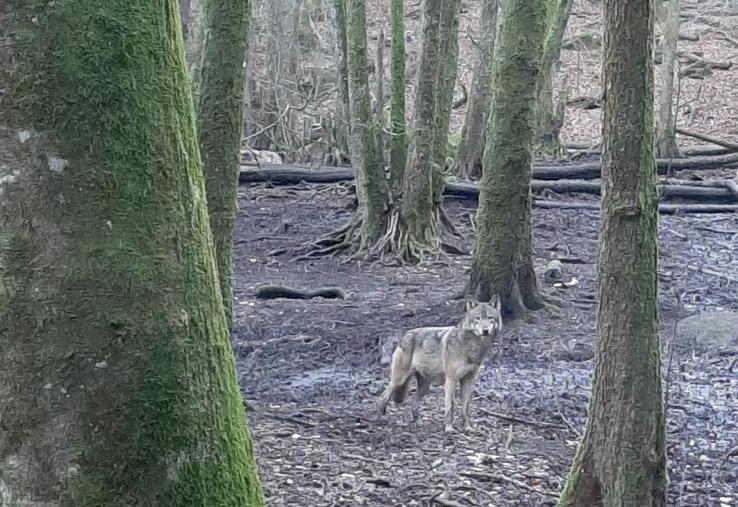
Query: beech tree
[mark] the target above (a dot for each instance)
(408, 229)
(666, 146)
(117, 378)
(343, 121)
(550, 118)
(468, 163)
(398, 133)
(503, 247)
(415, 230)
(621, 460)
(219, 99)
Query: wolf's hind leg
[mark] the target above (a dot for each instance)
(422, 389)
(399, 379)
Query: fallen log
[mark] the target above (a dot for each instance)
(717, 192)
(664, 209)
(699, 151)
(290, 175)
(687, 151)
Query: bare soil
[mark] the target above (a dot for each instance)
(311, 368)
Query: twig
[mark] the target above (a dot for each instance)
(498, 477)
(504, 417)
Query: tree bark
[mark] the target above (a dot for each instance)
(379, 96)
(191, 14)
(218, 85)
(471, 147)
(343, 118)
(416, 232)
(503, 248)
(363, 140)
(117, 379)
(621, 460)
(666, 146)
(398, 139)
(549, 121)
(445, 80)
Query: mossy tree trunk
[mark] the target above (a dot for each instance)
(363, 146)
(368, 223)
(117, 379)
(398, 138)
(379, 102)
(445, 81)
(621, 460)
(414, 230)
(503, 247)
(343, 119)
(468, 163)
(666, 146)
(218, 84)
(549, 118)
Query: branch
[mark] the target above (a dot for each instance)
(703, 137)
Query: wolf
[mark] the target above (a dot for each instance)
(444, 356)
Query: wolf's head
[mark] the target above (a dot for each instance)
(483, 318)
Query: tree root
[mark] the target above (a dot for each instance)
(344, 239)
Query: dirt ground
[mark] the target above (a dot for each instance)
(311, 368)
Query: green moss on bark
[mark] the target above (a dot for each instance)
(119, 311)
(398, 138)
(503, 248)
(445, 81)
(622, 461)
(363, 138)
(218, 97)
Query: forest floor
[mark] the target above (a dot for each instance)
(312, 368)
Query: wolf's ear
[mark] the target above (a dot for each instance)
(495, 301)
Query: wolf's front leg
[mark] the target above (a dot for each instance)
(449, 392)
(467, 387)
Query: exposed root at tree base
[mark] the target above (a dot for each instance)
(405, 248)
(345, 239)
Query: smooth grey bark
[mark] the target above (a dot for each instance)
(468, 163)
(666, 146)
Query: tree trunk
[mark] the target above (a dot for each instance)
(447, 68)
(343, 119)
(471, 147)
(398, 139)
(191, 14)
(621, 460)
(550, 119)
(363, 140)
(503, 248)
(218, 98)
(417, 224)
(666, 146)
(379, 95)
(117, 379)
